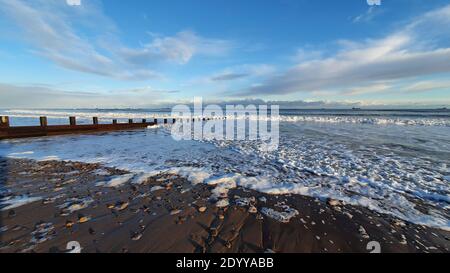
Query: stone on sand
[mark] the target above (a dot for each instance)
(83, 219)
(334, 202)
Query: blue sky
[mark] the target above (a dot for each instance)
(139, 53)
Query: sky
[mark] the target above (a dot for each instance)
(301, 53)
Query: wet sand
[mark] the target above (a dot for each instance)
(167, 213)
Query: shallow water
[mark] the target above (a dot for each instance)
(394, 162)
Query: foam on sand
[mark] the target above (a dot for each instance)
(117, 181)
(17, 201)
(283, 216)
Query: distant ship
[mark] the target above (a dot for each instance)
(355, 108)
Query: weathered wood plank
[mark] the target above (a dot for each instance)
(10, 132)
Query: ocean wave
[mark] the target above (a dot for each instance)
(418, 120)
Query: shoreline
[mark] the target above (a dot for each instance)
(166, 213)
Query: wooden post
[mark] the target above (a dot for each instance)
(174, 120)
(144, 120)
(4, 122)
(114, 121)
(165, 121)
(156, 121)
(73, 121)
(95, 120)
(43, 121)
(130, 121)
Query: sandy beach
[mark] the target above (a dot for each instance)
(47, 204)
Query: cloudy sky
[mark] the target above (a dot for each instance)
(140, 53)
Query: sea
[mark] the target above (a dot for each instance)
(394, 162)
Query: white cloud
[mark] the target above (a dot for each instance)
(368, 16)
(43, 96)
(424, 86)
(50, 26)
(239, 73)
(73, 2)
(243, 71)
(47, 96)
(374, 88)
(399, 56)
(179, 48)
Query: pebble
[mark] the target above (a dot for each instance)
(214, 232)
(222, 203)
(202, 209)
(363, 232)
(403, 241)
(146, 209)
(175, 212)
(136, 236)
(334, 202)
(83, 219)
(348, 215)
(69, 224)
(399, 223)
(17, 228)
(48, 201)
(121, 206)
(252, 209)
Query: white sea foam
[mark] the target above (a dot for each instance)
(284, 216)
(194, 175)
(156, 188)
(143, 177)
(17, 201)
(75, 204)
(117, 181)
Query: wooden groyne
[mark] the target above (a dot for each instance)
(10, 132)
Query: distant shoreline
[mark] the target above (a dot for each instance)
(164, 109)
